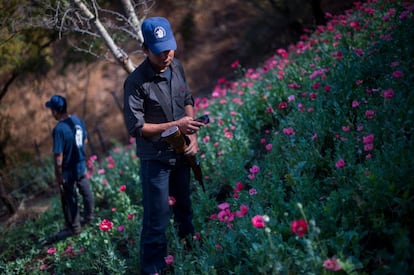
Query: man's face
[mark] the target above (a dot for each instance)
(161, 61)
(54, 114)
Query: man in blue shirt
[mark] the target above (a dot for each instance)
(69, 139)
(156, 98)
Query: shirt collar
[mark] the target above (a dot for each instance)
(150, 71)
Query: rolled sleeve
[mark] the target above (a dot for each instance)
(133, 110)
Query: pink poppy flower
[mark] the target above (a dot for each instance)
(315, 86)
(69, 250)
(223, 206)
(294, 86)
(111, 162)
(169, 260)
(368, 139)
(397, 74)
(51, 250)
(228, 135)
(355, 104)
(340, 163)
(332, 264)
(254, 169)
(388, 93)
(197, 236)
(244, 209)
(252, 192)
(282, 105)
(225, 216)
(370, 113)
(171, 201)
(258, 221)
(368, 147)
(269, 147)
(239, 186)
(235, 64)
(282, 52)
(289, 131)
(122, 188)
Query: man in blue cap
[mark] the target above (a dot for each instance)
(156, 98)
(69, 139)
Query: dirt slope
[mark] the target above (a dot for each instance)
(210, 34)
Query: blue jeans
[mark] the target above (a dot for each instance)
(160, 180)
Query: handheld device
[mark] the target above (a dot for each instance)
(203, 119)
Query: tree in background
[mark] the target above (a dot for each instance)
(24, 48)
(29, 28)
(91, 21)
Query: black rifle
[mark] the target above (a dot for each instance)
(196, 167)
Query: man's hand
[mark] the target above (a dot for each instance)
(58, 161)
(192, 148)
(189, 125)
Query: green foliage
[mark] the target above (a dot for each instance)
(24, 48)
(320, 136)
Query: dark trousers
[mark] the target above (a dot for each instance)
(70, 204)
(160, 180)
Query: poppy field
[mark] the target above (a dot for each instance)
(307, 163)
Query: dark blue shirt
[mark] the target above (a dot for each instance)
(150, 97)
(69, 139)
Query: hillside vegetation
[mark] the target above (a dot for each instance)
(307, 161)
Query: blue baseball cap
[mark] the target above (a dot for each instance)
(56, 102)
(158, 36)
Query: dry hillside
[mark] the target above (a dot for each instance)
(210, 35)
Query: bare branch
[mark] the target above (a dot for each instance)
(133, 19)
(119, 54)
(88, 19)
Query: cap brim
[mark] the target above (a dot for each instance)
(48, 104)
(169, 45)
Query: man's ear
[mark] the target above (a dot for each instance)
(145, 48)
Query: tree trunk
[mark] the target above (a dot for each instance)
(6, 199)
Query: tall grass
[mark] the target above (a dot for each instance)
(308, 166)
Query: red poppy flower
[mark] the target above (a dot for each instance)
(106, 225)
(299, 227)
